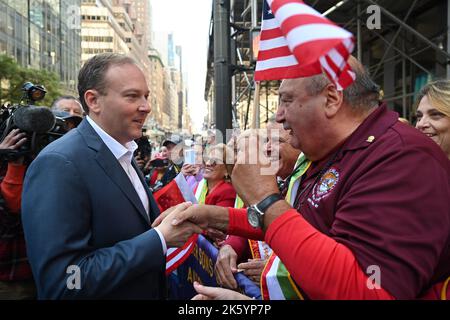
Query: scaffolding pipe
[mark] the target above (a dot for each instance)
(254, 14)
(242, 63)
(249, 99)
(333, 8)
(399, 55)
(394, 38)
(246, 10)
(402, 53)
(222, 66)
(255, 118)
(240, 96)
(410, 29)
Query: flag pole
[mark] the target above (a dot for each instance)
(255, 123)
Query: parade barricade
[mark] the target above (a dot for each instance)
(199, 266)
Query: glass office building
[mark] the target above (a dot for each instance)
(43, 34)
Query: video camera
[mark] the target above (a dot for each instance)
(38, 123)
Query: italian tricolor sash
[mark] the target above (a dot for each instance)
(201, 191)
(260, 249)
(276, 281)
(301, 166)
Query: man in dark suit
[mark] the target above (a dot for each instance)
(86, 208)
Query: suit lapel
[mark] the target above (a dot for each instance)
(112, 167)
(115, 172)
(153, 207)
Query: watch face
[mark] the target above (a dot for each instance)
(253, 217)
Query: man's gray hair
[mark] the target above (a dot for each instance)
(60, 98)
(92, 74)
(362, 95)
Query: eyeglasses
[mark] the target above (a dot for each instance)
(212, 161)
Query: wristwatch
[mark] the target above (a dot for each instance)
(255, 212)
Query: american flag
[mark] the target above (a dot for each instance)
(175, 192)
(297, 41)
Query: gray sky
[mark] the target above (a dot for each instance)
(189, 23)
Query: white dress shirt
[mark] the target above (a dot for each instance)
(124, 154)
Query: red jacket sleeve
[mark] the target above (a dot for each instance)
(11, 186)
(238, 225)
(322, 267)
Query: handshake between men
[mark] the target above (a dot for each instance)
(176, 235)
(185, 219)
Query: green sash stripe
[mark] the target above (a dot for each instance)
(285, 285)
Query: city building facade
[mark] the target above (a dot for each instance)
(43, 34)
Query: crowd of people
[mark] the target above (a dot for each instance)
(357, 207)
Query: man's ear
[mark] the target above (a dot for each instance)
(335, 99)
(92, 100)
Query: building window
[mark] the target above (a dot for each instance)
(94, 18)
(96, 50)
(2, 46)
(97, 39)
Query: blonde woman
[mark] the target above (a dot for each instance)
(215, 187)
(433, 113)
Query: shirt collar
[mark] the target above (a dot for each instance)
(118, 150)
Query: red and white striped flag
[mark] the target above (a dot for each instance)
(175, 192)
(297, 41)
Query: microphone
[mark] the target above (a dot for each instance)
(34, 119)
